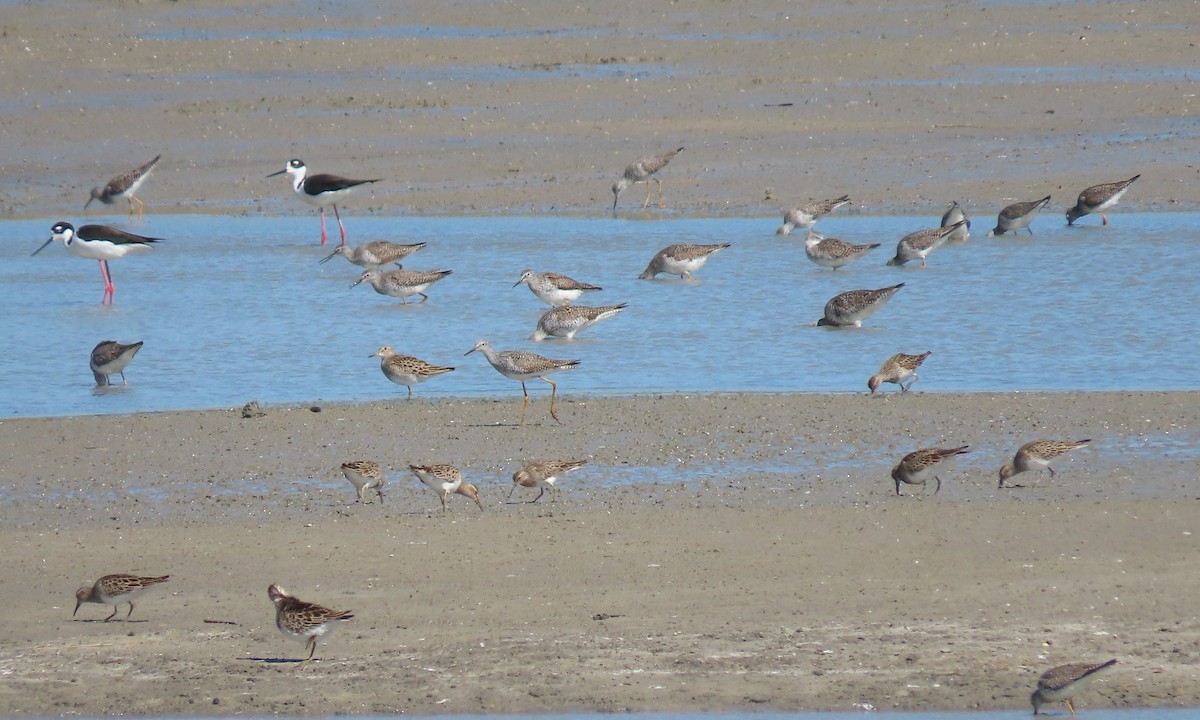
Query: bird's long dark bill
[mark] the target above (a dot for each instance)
(43, 247)
(77, 604)
(330, 257)
(277, 173)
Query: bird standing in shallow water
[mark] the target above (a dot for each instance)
(110, 356)
(554, 289)
(1062, 683)
(854, 306)
(402, 283)
(522, 366)
(917, 245)
(322, 190)
(681, 259)
(303, 621)
(1098, 198)
(125, 186)
(806, 216)
(643, 171)
(375, 255)
(98, 242)
(831, 252)
(1018, 215)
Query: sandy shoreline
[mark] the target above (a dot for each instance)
(697, 587)
(719, 552)
(469, 108)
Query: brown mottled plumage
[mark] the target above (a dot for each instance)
(542, 474)
(303, 621)
(553, 288)
(522, 366)
(110, 356)
(1060, 684)
(831, 252)
(643, 171)
(917, 245)
(920, 465)
(806, 216)
(854, 306)
(402, 283)
(125, 186)
(1036, 455)
(1098, 198)
(364, 475)
(1018, 216)
(375, 255)
(681, 259)
(897, 369)
(405, 369)
(114, 590)
(566, 320)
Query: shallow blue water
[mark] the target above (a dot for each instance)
(238, 308)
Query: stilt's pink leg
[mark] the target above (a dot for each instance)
(322, 227)
(339, 219)
(109, 288)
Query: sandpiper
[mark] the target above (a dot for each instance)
(375, 255)
(567, 320)
(126, 187)
(831, 252)
(643, 171)
(554, 289)
(110, 356)
(1036, 455)
(542, 474)
(522, 366)
(321, 190)
(956, 217)
(445, 480)
(1062, 683)
(897, 369)
(1018, 216)
(364, 475)
(402, 283)
(98, 242)
(681, 259)
(405, 369)
(917, 245)
(303, 621)
(807, 215)
(114, 590)
(920, 465)
(1099, 198)
(854, 306)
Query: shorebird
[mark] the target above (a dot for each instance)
(110, 356)
(542, 474)
(808, 215)
(364, 475)
(854, 306)
(321, 190)
(953, 216)
(897, 369)
(554, 289)
(98, 242)
(303, 621)
(1018, 216)
(682, 259)
(114, 590)
(522, 366)
(402, 283)
(445, 480)
(1098, 198)
(831, 252)
(125, 187)
(1062, 683)
(375, 255)
(405, 369)
(643, 171)
(567, 320)
(1036, 455)
(920, 465)
(917, 245)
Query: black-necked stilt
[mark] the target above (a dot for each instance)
(110, 357)
(98, 242)
(321, 190)
(125, 186)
